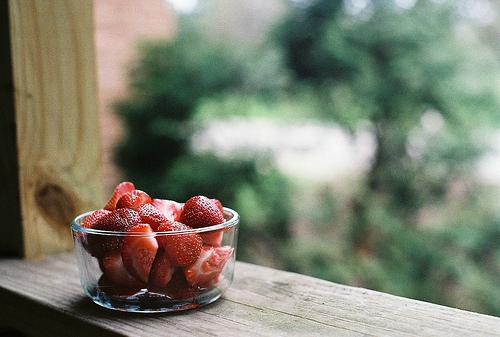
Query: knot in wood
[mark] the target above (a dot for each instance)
(55, 204)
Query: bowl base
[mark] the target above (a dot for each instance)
(145, 301)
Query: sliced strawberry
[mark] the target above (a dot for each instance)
(110, 288)
(161, 270)
(116, 272)
(120, 220)
(213, 238)
(219, 205)
(139, 251)
(171, 209)
(133, 199)
(179, 289)
(183, 248)
(100, 245)
(151, 215)
(200, 211)
(89, 221)
(213, 282)
(94, 245)
(111, 244)
(208, 266)
(120, 190)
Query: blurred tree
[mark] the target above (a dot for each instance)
(417, 84)
(415, 72)
(167, 84)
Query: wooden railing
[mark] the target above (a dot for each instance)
(51, 171)
(44, 298)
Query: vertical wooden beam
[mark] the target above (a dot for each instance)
(55, 113)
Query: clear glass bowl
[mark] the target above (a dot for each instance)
(98, 270)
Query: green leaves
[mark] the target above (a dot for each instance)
(419, 78)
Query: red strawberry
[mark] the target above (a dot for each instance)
(94, 245)
(179, 289)
(117, 273)
(100, 245)
(213, 238)
(120, 220)
(133, 199)
(219, 205)
(161, 270)
(212, 282)
(89, 221)
(208, 266)
(139, 251)
(171, 209)
(151, 215)
(110, 288)
(200, 211)
(183, 248)
(120, 190)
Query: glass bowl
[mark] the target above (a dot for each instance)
(107, 281)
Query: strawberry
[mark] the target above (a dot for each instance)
(171, 209)
(116, 272)
(183, 248)
(178, 288)
(151, 215)
(139, 251)
(95, 246)
(219, 205)
(110, 288)
(208, 266)
(89, 220)
(120, 220)
(120, 190)
(161, 270)
(213, 282)
(200, 211)
(100, 245)
(133, 199)
(213, 238)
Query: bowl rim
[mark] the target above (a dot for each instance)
(232, 219)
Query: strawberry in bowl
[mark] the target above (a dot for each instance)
(144, 254)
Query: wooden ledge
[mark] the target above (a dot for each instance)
(44, 298)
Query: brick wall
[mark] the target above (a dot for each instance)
(119, 24)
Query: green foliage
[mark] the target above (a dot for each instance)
(170, 85)
(387, 68)
(167, 85)
(425, 94)
(418, 224)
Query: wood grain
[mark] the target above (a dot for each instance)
(261, 302)
(56, 118)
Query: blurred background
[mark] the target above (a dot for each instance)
(358, 139)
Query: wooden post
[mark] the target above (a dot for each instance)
(49, 131)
